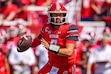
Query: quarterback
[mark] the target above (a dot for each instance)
(59, 38)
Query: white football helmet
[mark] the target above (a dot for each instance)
(57, 8)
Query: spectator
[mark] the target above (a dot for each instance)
(83, 51)
(41, 56)
(23, 16)
(100, 9)
(109, 7)
(22, 29)
(10, 11)
(41, 14)
(12, 35)
(4, 65)
(101, 58)
(16, 2)
(2, 4)
(107, 18)
(23, 13)
(21, 62)
(86, 10)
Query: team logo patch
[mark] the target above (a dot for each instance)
(47, 29)
(65, 72)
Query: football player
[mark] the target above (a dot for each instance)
(59, 38)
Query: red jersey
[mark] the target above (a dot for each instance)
(86, 9)
(79, 52)
(64, 35)
(8, 10)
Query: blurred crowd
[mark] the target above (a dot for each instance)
(95, 10)
(92, 56)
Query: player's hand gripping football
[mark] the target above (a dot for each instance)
(24, 43)
(45, 43)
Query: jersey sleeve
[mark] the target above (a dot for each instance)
(72, 34)
(36, 41)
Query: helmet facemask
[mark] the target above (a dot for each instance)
(57, 20)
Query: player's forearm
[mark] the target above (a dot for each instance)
(68, 51)
(96, 9)
(7, 64)
(35, 42)
(89, 69)
(65, 52)
(11, 16)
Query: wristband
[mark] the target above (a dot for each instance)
(54, 48)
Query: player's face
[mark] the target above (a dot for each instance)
(57, 17)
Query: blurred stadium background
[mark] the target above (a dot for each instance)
(18, 17)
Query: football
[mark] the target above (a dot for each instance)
(24, 43)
